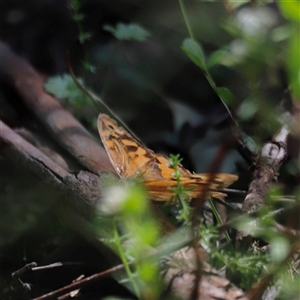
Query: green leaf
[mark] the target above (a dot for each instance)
(290, 9)
(76, 5)
(194, 51)
(88, 66)
(84, 36)
(78, 17)
(128, 32)
(225, 94)
(216, 58)
(64, 87)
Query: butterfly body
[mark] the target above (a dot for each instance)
(132, 160)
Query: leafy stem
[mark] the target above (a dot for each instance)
(180, 191)
(122, 255)
(83, 36)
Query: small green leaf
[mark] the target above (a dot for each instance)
(216, 58)
(87, 66)
(128, 32)
(226, 95)
(84, 36)
(76, 5)
(194, 51)
(78, 17)
(64, 87)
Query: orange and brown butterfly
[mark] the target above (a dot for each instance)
(133, 160)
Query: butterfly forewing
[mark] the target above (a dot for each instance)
(131, 159)
(127, 155)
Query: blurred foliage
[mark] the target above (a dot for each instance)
(133, 235)
(291, 10)
(128, 32)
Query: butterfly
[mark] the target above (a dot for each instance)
(131, 159)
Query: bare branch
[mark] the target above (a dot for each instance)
(269, 161)
(83, 188)
(70, 134)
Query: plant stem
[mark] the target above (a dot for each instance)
(124, 260)
(219, 220)
(185, 17)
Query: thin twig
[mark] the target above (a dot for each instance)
(80, 284)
